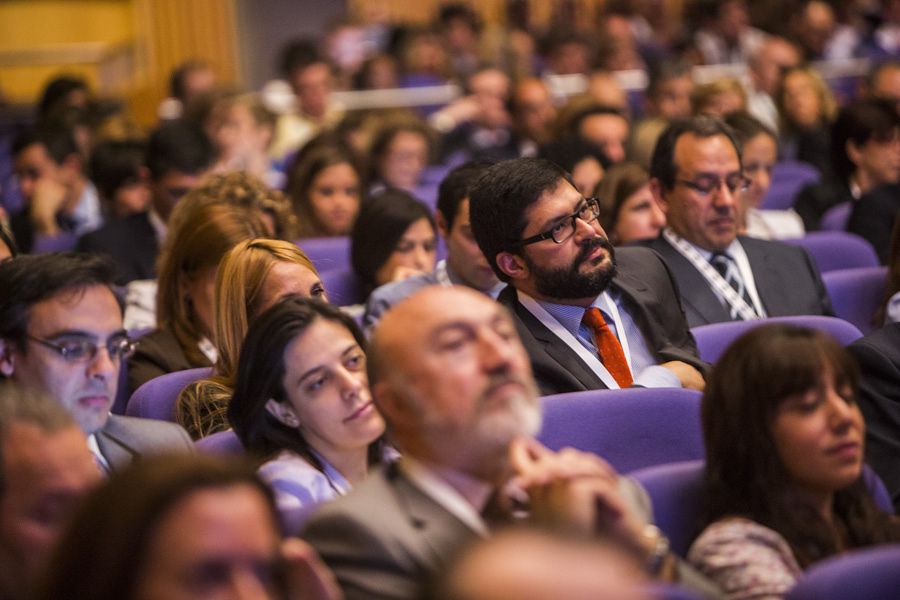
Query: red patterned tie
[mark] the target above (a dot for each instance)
(611, 353)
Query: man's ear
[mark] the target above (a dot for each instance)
(513, 265)
(283, 412)
(854, 153)
(440, 221)
(659, 194)
(7, 359)
(393, 406)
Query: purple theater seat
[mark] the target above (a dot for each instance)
(327, 253)
(630, 428)
(713, 339)
(61, 242)
(867, 574)
(342, 287)
(833, 250)
(156, 398)
(222, 442)
(856, 294)
(788, 178)
(675, 491)
(836, 217)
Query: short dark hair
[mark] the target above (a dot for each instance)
(663, 70)
(458, 10)
(589, 111)
(57, 141)
(746, 127)
(382, 221)
(56, 92)
(297, 55)
(568, 151)
(662, 164)
(501, 196)
(456, 186)
(178, 79)
(179, 145)
(859, 122)
(31, 278)
(115, 164)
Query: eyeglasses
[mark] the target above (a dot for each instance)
(565, 228)
(706, 185)
(75, 351)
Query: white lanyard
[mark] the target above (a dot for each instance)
(711, 275)
(589, 358)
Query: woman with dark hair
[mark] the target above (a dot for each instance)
(394, 238)
(399, 153)
(784, 446)
(628, 210)
(302, 405)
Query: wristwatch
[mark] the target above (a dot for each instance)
(660, 550)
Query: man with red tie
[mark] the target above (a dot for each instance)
(590, 317)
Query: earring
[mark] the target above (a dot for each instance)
(292, 420)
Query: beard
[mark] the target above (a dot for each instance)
(570, 282)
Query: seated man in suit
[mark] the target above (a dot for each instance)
(179, 154)
(589, 316)
(452, 380)
(45, 469)
(696, 177)
(464, 265)
(61, 333)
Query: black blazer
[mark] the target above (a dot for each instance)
(787, 281)
(650, 297)
(130, 242)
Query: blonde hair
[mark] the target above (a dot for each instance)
(239, 280)
(703, 95)
(827, 104)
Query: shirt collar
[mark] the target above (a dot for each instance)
(569, 315)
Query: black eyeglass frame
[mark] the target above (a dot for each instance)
(589, 203)
(741, 186)
(118, 348)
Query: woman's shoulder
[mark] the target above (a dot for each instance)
(740, 528)
(291, 474)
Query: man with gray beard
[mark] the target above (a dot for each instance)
(590, 317)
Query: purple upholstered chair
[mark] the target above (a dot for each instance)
(675, 490)
(836, 217)
(60, 242)
(788, 178)
(833, 250)
(856, 294)
(156, 398)
(713, 339)
(342, 286)
(221, 442)
(867, 574)
(630, 428)
(327, 253)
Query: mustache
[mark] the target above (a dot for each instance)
(592, 245)
(501, 379)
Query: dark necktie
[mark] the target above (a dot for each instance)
(727, 268)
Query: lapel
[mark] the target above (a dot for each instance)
(766, 276)
(113, 447)
(697, 298)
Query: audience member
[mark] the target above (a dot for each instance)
(889, 310)
(61, 333)
(178, 156)
(188, 82)
(185, 293)
(61, 92)
(533, 114)
(864, 156)
(45, 468)
(883, 82)
(464, 265)
(542, 238)
(806, 110)
(398, 155)
(765, 68)
(243, 139)
(175, 528)
(302, 406)
(759, 153)
(117, 169)
(669, 88)
(453, 382)
(718, 98)
(584, 160)
(251, 277)
(60, 201)
(393, 239)
(628, 210)
(325, 188)
(697, 178)
(605, 127)
(784, 457)
(728, 36)
(459, 28)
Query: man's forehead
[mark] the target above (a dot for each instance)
(87, 308)
(715, 152)
(562, 198)
(432, 309)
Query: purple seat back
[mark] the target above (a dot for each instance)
(836, 217)
(713, 339)
(327, 253)
(342, 287)
(676, 489)
(61, 242)
(221, 442)
(156, 398)
(856, 294)
(630, 428)
(867, 574)
(788, 178)
(833, 250)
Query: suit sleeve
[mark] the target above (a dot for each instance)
(821, 292)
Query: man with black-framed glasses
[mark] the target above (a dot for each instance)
(589, 317)
(696, 178)
(61, 334)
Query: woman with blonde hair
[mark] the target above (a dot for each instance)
(253, 276)
(184, 308)
(806, 110)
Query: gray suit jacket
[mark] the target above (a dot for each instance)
(384, 297)
(786, 278)
(386, 537)
(651, 298)
(123, 439)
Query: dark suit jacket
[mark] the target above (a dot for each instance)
(130, 242)
(878, 355)
(873, 218)
(814, 200)
(157, 353)
(124, 439)
(651, 298)
(787, 281)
